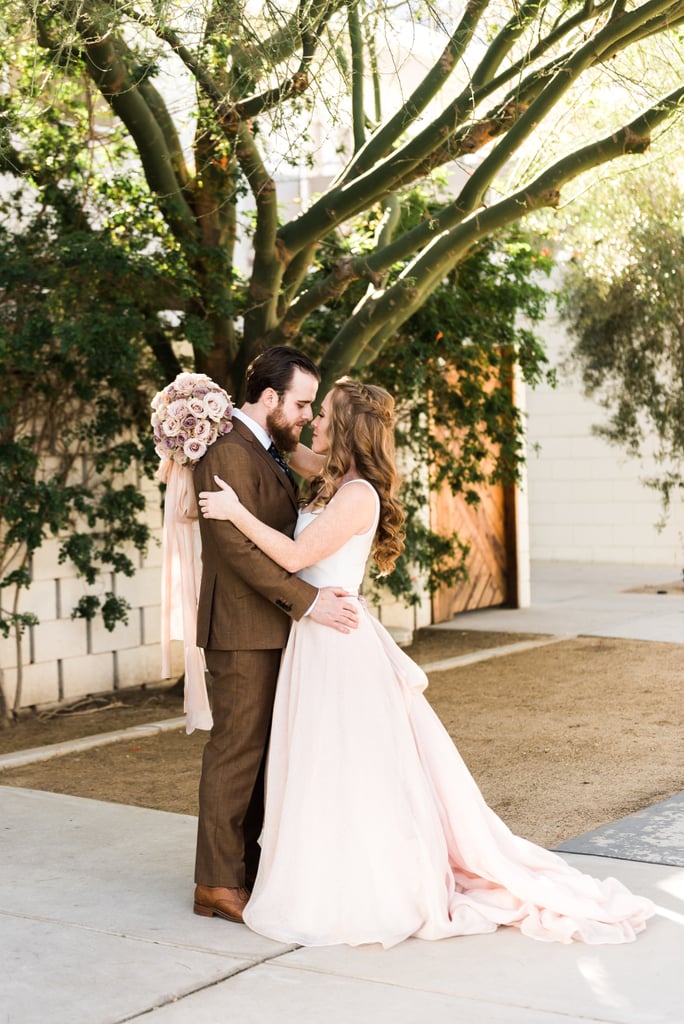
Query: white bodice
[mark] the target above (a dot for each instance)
(345, 567)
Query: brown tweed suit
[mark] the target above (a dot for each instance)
(245, 605)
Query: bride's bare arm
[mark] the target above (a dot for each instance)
(351, 511)
(306, 463)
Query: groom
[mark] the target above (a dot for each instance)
(245, 605)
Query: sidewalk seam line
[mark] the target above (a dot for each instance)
(212, 984)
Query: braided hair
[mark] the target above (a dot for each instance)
(361, 429)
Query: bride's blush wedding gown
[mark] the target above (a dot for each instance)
(374, 828)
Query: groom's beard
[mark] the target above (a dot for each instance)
(285, 435)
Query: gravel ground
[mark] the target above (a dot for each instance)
(561, 738)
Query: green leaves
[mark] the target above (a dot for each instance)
(74, 409)
(451, 370)
(112, 608)
(16, 622)
(110, 514)
(626, 316)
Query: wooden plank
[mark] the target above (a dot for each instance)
(483, 527)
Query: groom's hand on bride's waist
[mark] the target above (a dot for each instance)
(336, 608)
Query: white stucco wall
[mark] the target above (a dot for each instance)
(586, 499)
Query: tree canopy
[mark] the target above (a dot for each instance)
(212, 101)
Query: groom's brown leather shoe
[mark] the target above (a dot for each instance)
(226, 903)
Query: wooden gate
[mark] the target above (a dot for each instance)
(489, 529)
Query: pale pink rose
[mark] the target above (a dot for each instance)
(178, 409)
(196, 407)
(190, 422)
(184, 384)
(205, 431)
(165, 447)
(172, 426)
(215, 405)
(225, 427)
(194, 449)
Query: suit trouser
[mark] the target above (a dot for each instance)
(231, 792)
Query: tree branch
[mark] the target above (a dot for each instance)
(160, 111)
(260, 316)
(284, 42)
(195, 66)
(106, 68)
(473, 137)
(357, 75)
(380, 144)
(481, 84)
(347, 198)
(329, 288)
(606, 40)
(343, 273)
(381, 316)
(297, 83)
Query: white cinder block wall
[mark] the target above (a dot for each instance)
(586, 499)
(64, 659)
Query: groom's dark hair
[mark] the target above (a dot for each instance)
(275, 368)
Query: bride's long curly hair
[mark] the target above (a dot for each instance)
(360, 427)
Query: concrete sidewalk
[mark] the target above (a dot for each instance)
(569, 599)
(97, 925)
(97, 928)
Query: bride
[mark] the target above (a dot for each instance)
(374, 829)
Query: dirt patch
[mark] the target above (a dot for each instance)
(561, 738)
(110, 712)
(91, 716)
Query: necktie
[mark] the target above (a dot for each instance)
(275, 454)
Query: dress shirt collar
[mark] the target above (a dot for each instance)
(256, 428)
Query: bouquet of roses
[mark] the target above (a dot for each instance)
(188, 415)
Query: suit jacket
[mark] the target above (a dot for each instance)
(246, 600)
